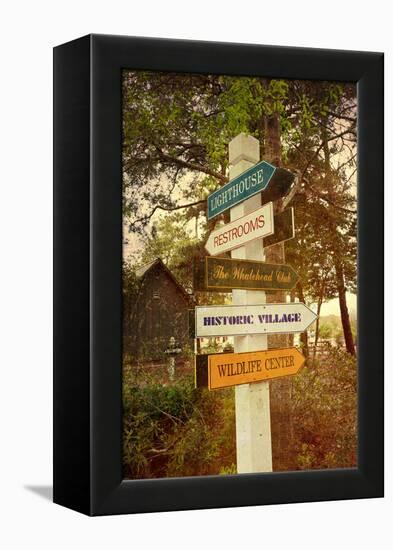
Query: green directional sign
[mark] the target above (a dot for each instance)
(252, 181)
(224, 274)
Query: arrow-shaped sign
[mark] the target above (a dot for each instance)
(252, 319)
(284, 228)
(279, 185)
(231, 369)
(255, 225)
(252, 181)
(224, 274)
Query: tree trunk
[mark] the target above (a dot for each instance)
(320, 300)
(272, 139)
(346, 324)
(303, 335)
(348, 337)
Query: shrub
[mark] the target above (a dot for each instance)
(324, 412)
(177, 430)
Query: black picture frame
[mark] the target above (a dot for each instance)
(87, 275)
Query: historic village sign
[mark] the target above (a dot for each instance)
(224, 274)
(238, 320)
(230, 369)
(252, 181)
(255, 225)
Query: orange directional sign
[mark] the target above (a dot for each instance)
(231, 369)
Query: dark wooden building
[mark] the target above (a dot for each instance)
(160, 311)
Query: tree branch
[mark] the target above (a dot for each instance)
(328, 200)
(167, 209)
(191, 166)
(343, 117)
(319, 149)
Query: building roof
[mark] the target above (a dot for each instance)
(142, 271)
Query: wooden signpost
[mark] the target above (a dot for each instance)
(224, 274)
(252, 319)
(255, 225)
(223, 370)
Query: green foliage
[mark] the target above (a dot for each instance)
(179, 125)
(171, 240)
(176, 430)
(330, 327)
(326, 330)
(228, 470)
(324, 411)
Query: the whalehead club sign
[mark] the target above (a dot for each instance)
(252, 319)
(224, 274)
(250, 182)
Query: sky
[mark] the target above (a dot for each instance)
(332, 306)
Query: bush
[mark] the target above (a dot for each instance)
(324, 412)
(177, 430)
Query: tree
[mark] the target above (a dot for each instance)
(171, 240)
(328, 205)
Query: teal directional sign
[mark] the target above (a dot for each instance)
(252, 181)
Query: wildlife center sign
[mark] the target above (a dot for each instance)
(255, 225)
(230, 369)
(252, 181)
(252, 319)
(224, 274)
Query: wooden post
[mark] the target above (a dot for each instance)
(253, 433)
